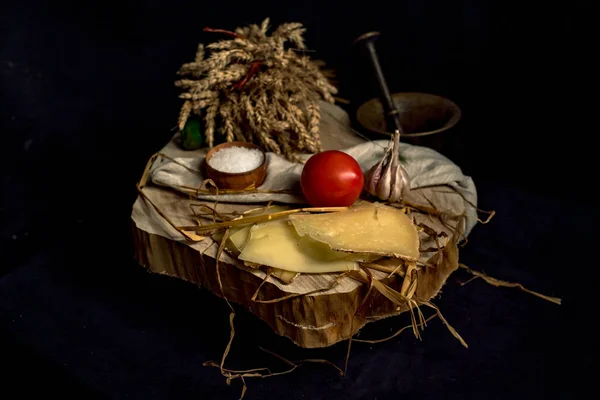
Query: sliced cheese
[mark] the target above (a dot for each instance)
(323, 251)
(239, 234)
(284, 276)
(372, 228)
(319, 250)
(239, 238)
(277, 244)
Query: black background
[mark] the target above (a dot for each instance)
(87, 95)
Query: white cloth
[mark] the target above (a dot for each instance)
(425, 167)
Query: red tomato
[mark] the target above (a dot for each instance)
(331, 179)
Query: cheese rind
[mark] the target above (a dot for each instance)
(277, 244)
(368, 228)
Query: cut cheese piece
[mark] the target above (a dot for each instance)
(319, 250)
(285, 277)
(277, 244)
(374, 228)
(239, 234)
(323, 251)
(239, 238)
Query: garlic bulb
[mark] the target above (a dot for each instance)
(387, 179)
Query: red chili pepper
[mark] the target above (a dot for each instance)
(253, 70)
(226, 32)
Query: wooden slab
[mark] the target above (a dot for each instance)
(309, 319)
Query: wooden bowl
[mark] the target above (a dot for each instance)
(421, 114)
(237, 180)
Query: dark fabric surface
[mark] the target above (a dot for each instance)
(78, 316)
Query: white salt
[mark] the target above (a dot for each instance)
(236, 159)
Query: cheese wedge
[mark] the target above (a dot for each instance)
(370, 228)
(277, 244)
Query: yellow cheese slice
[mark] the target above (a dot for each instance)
(277, 244)
(239, 234)
(239, 238)
(285, 277)
(368, 228)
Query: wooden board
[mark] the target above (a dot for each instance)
(309, 319)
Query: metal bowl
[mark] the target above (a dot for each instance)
(421, 114)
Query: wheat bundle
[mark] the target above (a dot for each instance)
(257, 87)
